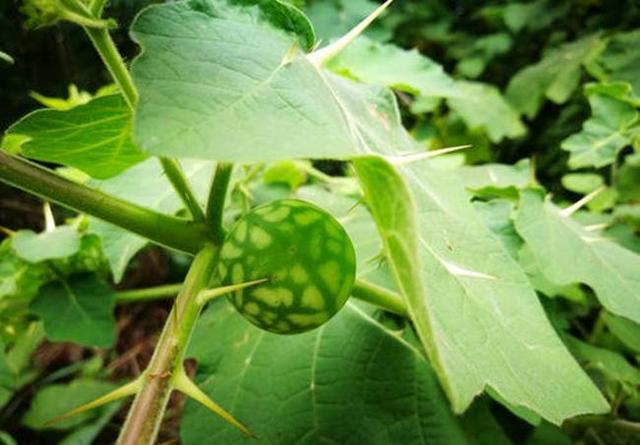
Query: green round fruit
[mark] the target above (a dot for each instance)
(304, 252)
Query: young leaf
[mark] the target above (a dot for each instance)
(606, 132)
(554, 77)
(354, 380)
(60, 242)
(94, 137)
(567, 253)
(473, 307)
(79, 310)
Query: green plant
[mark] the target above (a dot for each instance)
(471, 269)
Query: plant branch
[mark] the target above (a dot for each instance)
(606, 423)
(386, 299)
(148, 294)
(163, 229)
(112, 59)
(147, 410)
(96, 7)
(174, 172)
(215, 203)
(362, 290)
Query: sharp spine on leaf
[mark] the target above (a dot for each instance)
(422, 155)
(581, 202)
(323, 55)
(126, 390)
(185, 385)
(209, 294)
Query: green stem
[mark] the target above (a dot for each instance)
(163, 229)
(147, 410)
(215, 203)
(362, 290)
(386, 299)
(96, 7)
(112, 59)
(148, 294)
(174, 172)
(605, 423)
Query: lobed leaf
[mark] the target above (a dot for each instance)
(567, 252)
(475, 311)
(606, 132)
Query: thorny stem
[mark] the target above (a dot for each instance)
(149, 405)
(147, 410)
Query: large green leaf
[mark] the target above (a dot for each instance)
(146, 185)
(355, 380)
(216, 86)
(567, 252)
(606, 132)
(94, 137)
(554, 77)
(472, 305)
(79, 310)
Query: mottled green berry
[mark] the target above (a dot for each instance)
(306, 254)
